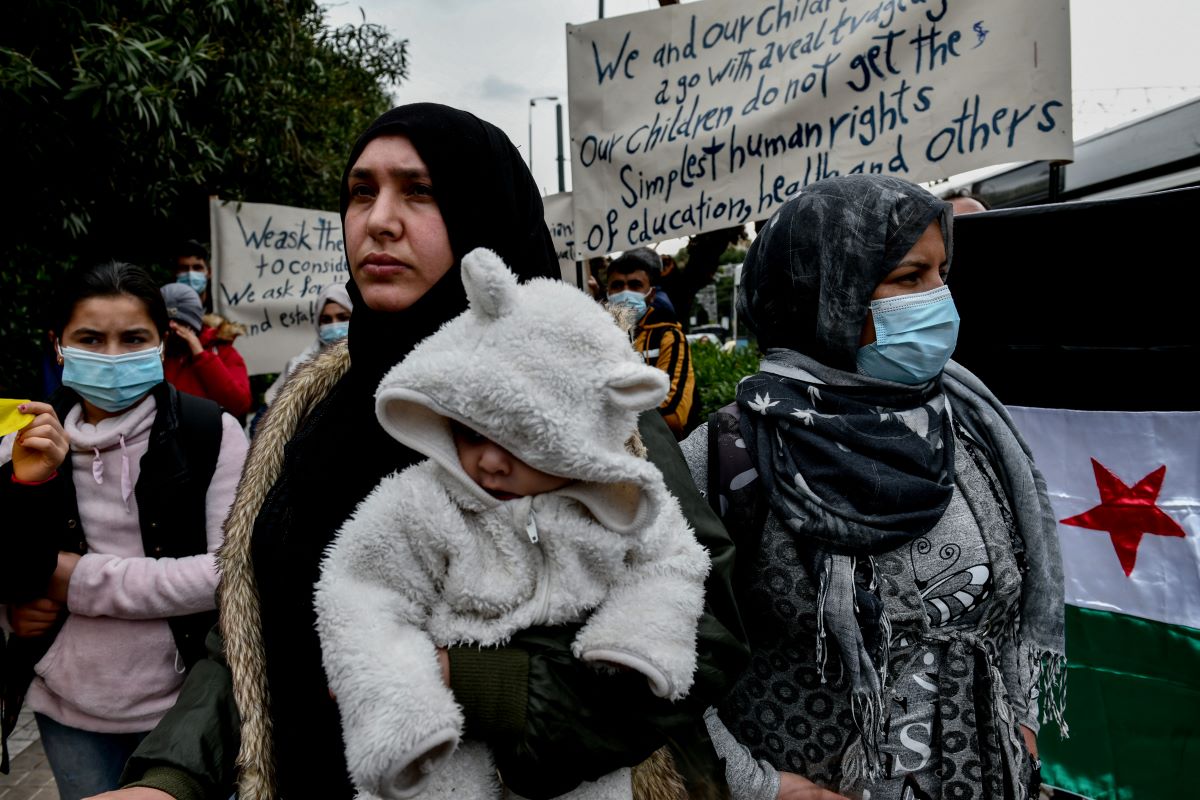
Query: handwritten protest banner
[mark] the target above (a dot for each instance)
(269, 264)
(712, 114)
(560, 212)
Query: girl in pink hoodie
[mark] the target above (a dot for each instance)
(117, 491)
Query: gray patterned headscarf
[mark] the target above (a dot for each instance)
(811, 271)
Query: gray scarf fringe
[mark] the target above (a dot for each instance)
(1042, 595)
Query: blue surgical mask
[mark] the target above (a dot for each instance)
(631, 299)
(914, 337)
(196, 280)
(333, 332)
(112, 383)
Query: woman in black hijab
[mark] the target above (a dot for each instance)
(902, 581)
(424, 185)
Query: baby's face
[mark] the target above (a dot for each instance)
(499, 472)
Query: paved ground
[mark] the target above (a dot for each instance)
(29, 777)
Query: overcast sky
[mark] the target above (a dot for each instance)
(490, 58)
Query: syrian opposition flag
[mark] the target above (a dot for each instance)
(1125, 487)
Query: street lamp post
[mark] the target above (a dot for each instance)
(532, 101)
(562, 183)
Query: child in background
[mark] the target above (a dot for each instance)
(533, 509)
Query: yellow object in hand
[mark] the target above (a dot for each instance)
(10, 418)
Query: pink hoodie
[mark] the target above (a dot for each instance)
(114, 667)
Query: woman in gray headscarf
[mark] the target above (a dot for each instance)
(900, 573)
(334, 307)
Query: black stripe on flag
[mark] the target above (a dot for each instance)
(1086, 305)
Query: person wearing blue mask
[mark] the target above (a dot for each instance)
(192, 270)
(657, 334)
(900, 572)
(334, 307)
(115, 496)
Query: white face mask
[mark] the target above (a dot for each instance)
(332, 332)
(112, 383)
(197, 280)
(631, 299)
(914, 337)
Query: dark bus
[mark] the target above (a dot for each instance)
(1149, 154)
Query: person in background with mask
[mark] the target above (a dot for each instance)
(201, 358)
(109, 567)
(332, 323)
(899, 566)
(192, 269)
(657, 335)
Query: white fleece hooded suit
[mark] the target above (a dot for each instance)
(431, 559)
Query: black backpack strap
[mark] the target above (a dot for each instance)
(200, 430)
(734, 489)
(199, 433)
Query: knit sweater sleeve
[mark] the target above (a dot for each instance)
(749, 778)
(106, 585)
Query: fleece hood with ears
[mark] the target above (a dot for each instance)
(541, 370)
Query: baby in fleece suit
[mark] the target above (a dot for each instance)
(530, 510)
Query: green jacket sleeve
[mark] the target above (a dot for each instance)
(553, 721)
(190, 754)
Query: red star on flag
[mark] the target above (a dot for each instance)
(1127, 513)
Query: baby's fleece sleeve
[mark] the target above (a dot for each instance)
(398, 718)
(648, 621)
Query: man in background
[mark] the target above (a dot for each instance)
(192, 269)
(657, 334)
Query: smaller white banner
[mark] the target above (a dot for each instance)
(1126, 490)
(560, 219)
(269, 265)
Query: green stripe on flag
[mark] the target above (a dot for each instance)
(1133, 707)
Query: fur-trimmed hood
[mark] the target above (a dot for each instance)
(225, 330)
(543, 371)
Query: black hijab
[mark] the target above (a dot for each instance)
(340, 453)
(487, 198)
